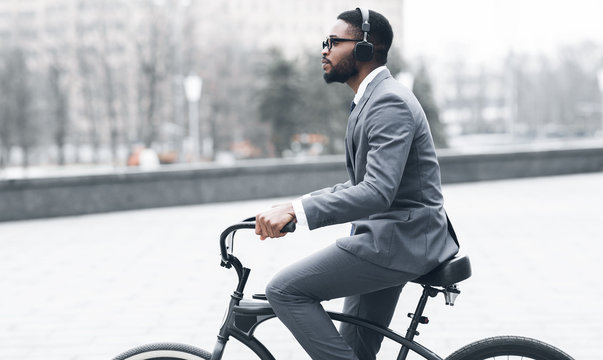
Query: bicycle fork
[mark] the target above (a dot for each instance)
(235, 299)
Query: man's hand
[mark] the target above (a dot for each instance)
(269, 223)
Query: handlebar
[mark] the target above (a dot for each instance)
(248, 223)
(229, 260)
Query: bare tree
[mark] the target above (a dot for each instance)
(86, 56)
(18, 120)
(58, 108)
(6, 123)
(232, 89)
(153, 51)
(555, 98)
(109, 99)
(325, 107)
(423, 90)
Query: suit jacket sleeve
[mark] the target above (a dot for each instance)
(332, 189)
(389, 129)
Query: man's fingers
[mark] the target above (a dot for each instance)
(271, 227)
(260, 222)
(258, 228)
(268, 224)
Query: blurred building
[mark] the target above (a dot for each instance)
(53, 27)
(121, 62)
(88, 46)
(295, 26)
(474, 100)
(523, 98)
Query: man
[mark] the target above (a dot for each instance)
(393, 199)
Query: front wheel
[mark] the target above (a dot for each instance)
(509, 347)
(165, 351)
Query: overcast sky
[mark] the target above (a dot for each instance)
(483, 29)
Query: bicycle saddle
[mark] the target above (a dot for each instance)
(448, 273)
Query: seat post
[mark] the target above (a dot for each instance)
(417, 318)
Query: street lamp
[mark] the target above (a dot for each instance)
(192, 87)
(600, 80)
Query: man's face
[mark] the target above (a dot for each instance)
(338, 62)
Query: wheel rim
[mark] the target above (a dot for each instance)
(165, 355)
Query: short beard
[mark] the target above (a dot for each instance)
(343, 71)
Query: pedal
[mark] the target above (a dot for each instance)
(450, 294)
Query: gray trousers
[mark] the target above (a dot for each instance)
(370, 292)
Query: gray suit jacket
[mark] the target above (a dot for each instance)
(393, 197)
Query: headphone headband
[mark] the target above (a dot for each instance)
(366, 26)
(363, 50)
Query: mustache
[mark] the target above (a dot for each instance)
(326, 60)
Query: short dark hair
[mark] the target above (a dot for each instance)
(381, 34)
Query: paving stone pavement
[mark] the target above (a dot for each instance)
(93, 286)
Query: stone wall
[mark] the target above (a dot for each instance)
(175, 186)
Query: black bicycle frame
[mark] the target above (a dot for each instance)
(242, 327)
(241, 322)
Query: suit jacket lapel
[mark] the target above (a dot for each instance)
(353, 119)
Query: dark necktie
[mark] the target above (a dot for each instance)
(352, 106)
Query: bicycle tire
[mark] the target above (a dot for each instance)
(510, 346)
(165, 351)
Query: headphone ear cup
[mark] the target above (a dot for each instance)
(363, 51)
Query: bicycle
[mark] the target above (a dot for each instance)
(244, 315)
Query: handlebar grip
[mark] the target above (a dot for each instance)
(290, 227)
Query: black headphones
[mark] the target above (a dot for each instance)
(363, 50)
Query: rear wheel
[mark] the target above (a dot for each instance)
(165, 351)
(509, 347)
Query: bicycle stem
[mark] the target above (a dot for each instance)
(243, 276)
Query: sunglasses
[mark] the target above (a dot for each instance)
(330, 41)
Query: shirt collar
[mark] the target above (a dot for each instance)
(367, 80)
